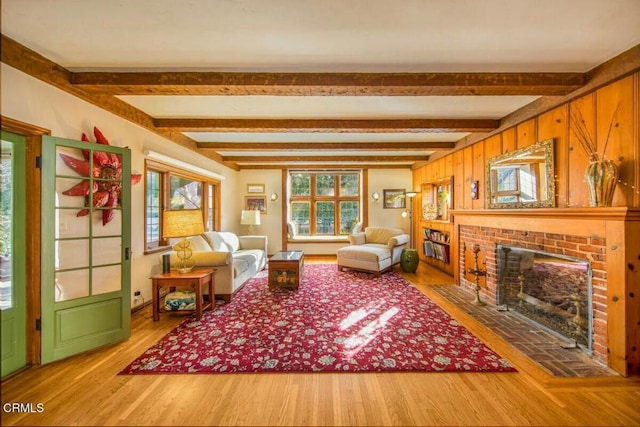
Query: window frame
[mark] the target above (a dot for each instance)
(337, 198)
(210, 214)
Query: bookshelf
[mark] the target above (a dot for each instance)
(435, 226)
(436, 244)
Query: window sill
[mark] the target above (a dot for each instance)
(318, 239)
(157, 250)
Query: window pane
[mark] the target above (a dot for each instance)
(325, 185)
(528, 184)
(6, 225)
(185, 193)
(349, 185)
(507, 179)
(300, 184)
(348, 216)
(325, 218)
(300, 214)
(153, 208)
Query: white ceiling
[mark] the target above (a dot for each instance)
(372, 36)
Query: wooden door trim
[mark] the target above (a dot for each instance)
(33, 136)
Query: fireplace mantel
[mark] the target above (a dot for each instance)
(617, 228)
(612, 213)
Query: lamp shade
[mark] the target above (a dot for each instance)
(250, 218)
(182, 223)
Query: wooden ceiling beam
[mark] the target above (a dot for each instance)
(341, 158)
(327, 166)
(328, 84)
(329, 125)
(343, 146)
(32, 63)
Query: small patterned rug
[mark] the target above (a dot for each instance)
(335, 322)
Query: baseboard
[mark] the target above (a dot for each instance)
(137, 308)
(140, 307)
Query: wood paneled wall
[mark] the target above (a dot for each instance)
(571, 161)
(615, 105)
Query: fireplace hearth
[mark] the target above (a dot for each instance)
(549, 289)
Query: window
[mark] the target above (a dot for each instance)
(515, 183)
(175, 189)
(325, 203)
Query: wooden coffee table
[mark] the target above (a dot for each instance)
(285, 269)
(195, 279)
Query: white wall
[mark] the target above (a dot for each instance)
(29, 100)
(390, 179)
(271, 222)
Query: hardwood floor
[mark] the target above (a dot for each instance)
(86, 390)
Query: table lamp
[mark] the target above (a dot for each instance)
(250, 218)
(182, 223)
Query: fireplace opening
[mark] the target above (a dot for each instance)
(551, 290)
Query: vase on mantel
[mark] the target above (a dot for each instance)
(601, 177)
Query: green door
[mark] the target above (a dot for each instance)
(86, 192)
(12, 254)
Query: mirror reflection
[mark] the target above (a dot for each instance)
(522, 178)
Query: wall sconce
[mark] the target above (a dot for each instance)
(375, 196)
(273, 197)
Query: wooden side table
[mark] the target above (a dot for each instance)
(194, 279)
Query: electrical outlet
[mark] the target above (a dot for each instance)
(136, 294)
(136, 297)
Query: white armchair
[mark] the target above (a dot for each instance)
(375, 250)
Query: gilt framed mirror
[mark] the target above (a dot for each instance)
(522, 178)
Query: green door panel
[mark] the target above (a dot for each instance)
(13, 251)
(85, 246)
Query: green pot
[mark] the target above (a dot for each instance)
(409, 260)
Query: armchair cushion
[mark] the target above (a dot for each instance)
(401, 239)
(357, 239)
(381, 234)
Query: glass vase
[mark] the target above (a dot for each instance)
(601, 177)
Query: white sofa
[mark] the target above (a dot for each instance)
(235, 258)
(375, 250)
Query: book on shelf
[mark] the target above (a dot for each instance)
(435, 235)
(436, 250)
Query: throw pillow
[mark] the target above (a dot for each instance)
(197, 244)
(292, 229)
(216, 241)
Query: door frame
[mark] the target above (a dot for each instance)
(33, 135)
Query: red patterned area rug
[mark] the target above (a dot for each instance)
(335, 322)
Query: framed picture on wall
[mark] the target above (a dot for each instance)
(394, 199)
(255, 203)
(255, 188)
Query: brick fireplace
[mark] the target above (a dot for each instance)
(590, 249)
(606, 238)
